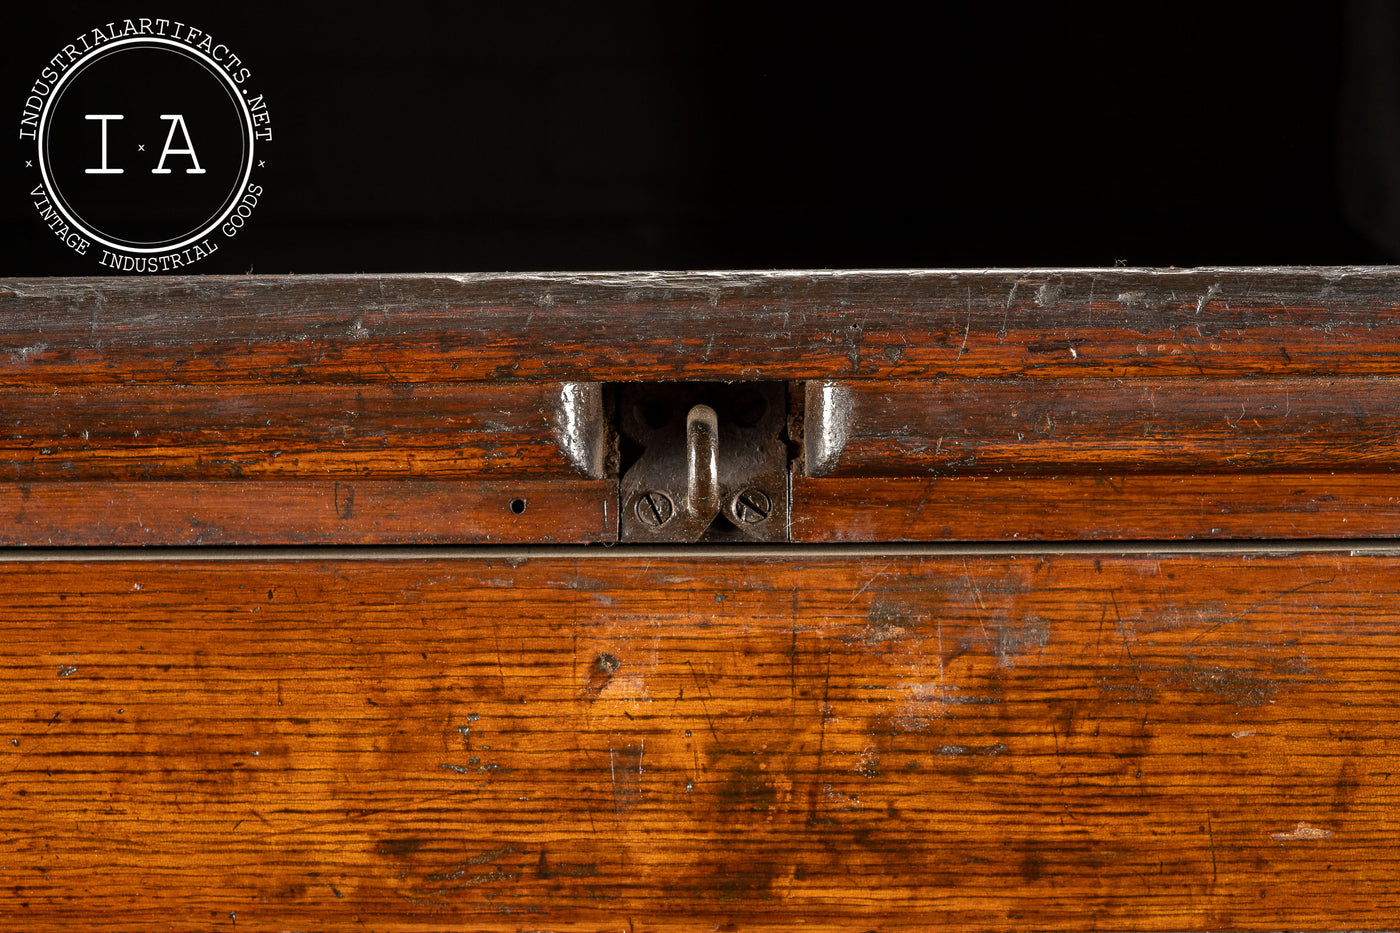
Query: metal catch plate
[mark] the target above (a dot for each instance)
(708, 461)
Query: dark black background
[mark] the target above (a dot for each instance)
(689, 135)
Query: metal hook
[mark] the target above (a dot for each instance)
(702, 462)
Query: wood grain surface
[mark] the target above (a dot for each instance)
(305, 464)
(1108, 404)
(1037, 742)
(1110, 426)
(507, 510)
(1128, 507)
(130, 432)
(719, 326)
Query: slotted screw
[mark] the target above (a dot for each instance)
(654, 508)
(752, 506)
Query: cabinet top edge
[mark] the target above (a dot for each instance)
(18, 285)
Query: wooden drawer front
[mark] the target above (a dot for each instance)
(1121, 458)
(300, 464)
(1034, 742)
(923, 406)
(1109, 427)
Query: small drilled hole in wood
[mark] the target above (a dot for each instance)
(517, 506)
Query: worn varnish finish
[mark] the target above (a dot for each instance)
(505, 511)
(1106, 458)
(125, 432)
(1080, 742)
(1126, 507)
(304, 464)
(718, 326)
(1191, 397)
(966, 427)
(677, 740)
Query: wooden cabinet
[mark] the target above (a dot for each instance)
(1069, 604)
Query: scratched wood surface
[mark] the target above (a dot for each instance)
(717, 326)
(507, 510)
(167, 465)
(138, 432)
(304, 464)
(1124, 507)
(1099, 458)
(1109, 404)
(1036, 742)
(952, 427)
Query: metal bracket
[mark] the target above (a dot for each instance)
(710, 461)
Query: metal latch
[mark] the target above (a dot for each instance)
(703, 461)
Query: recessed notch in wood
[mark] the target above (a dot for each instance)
(703, 461)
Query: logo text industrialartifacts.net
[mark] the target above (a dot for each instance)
(146, 139)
